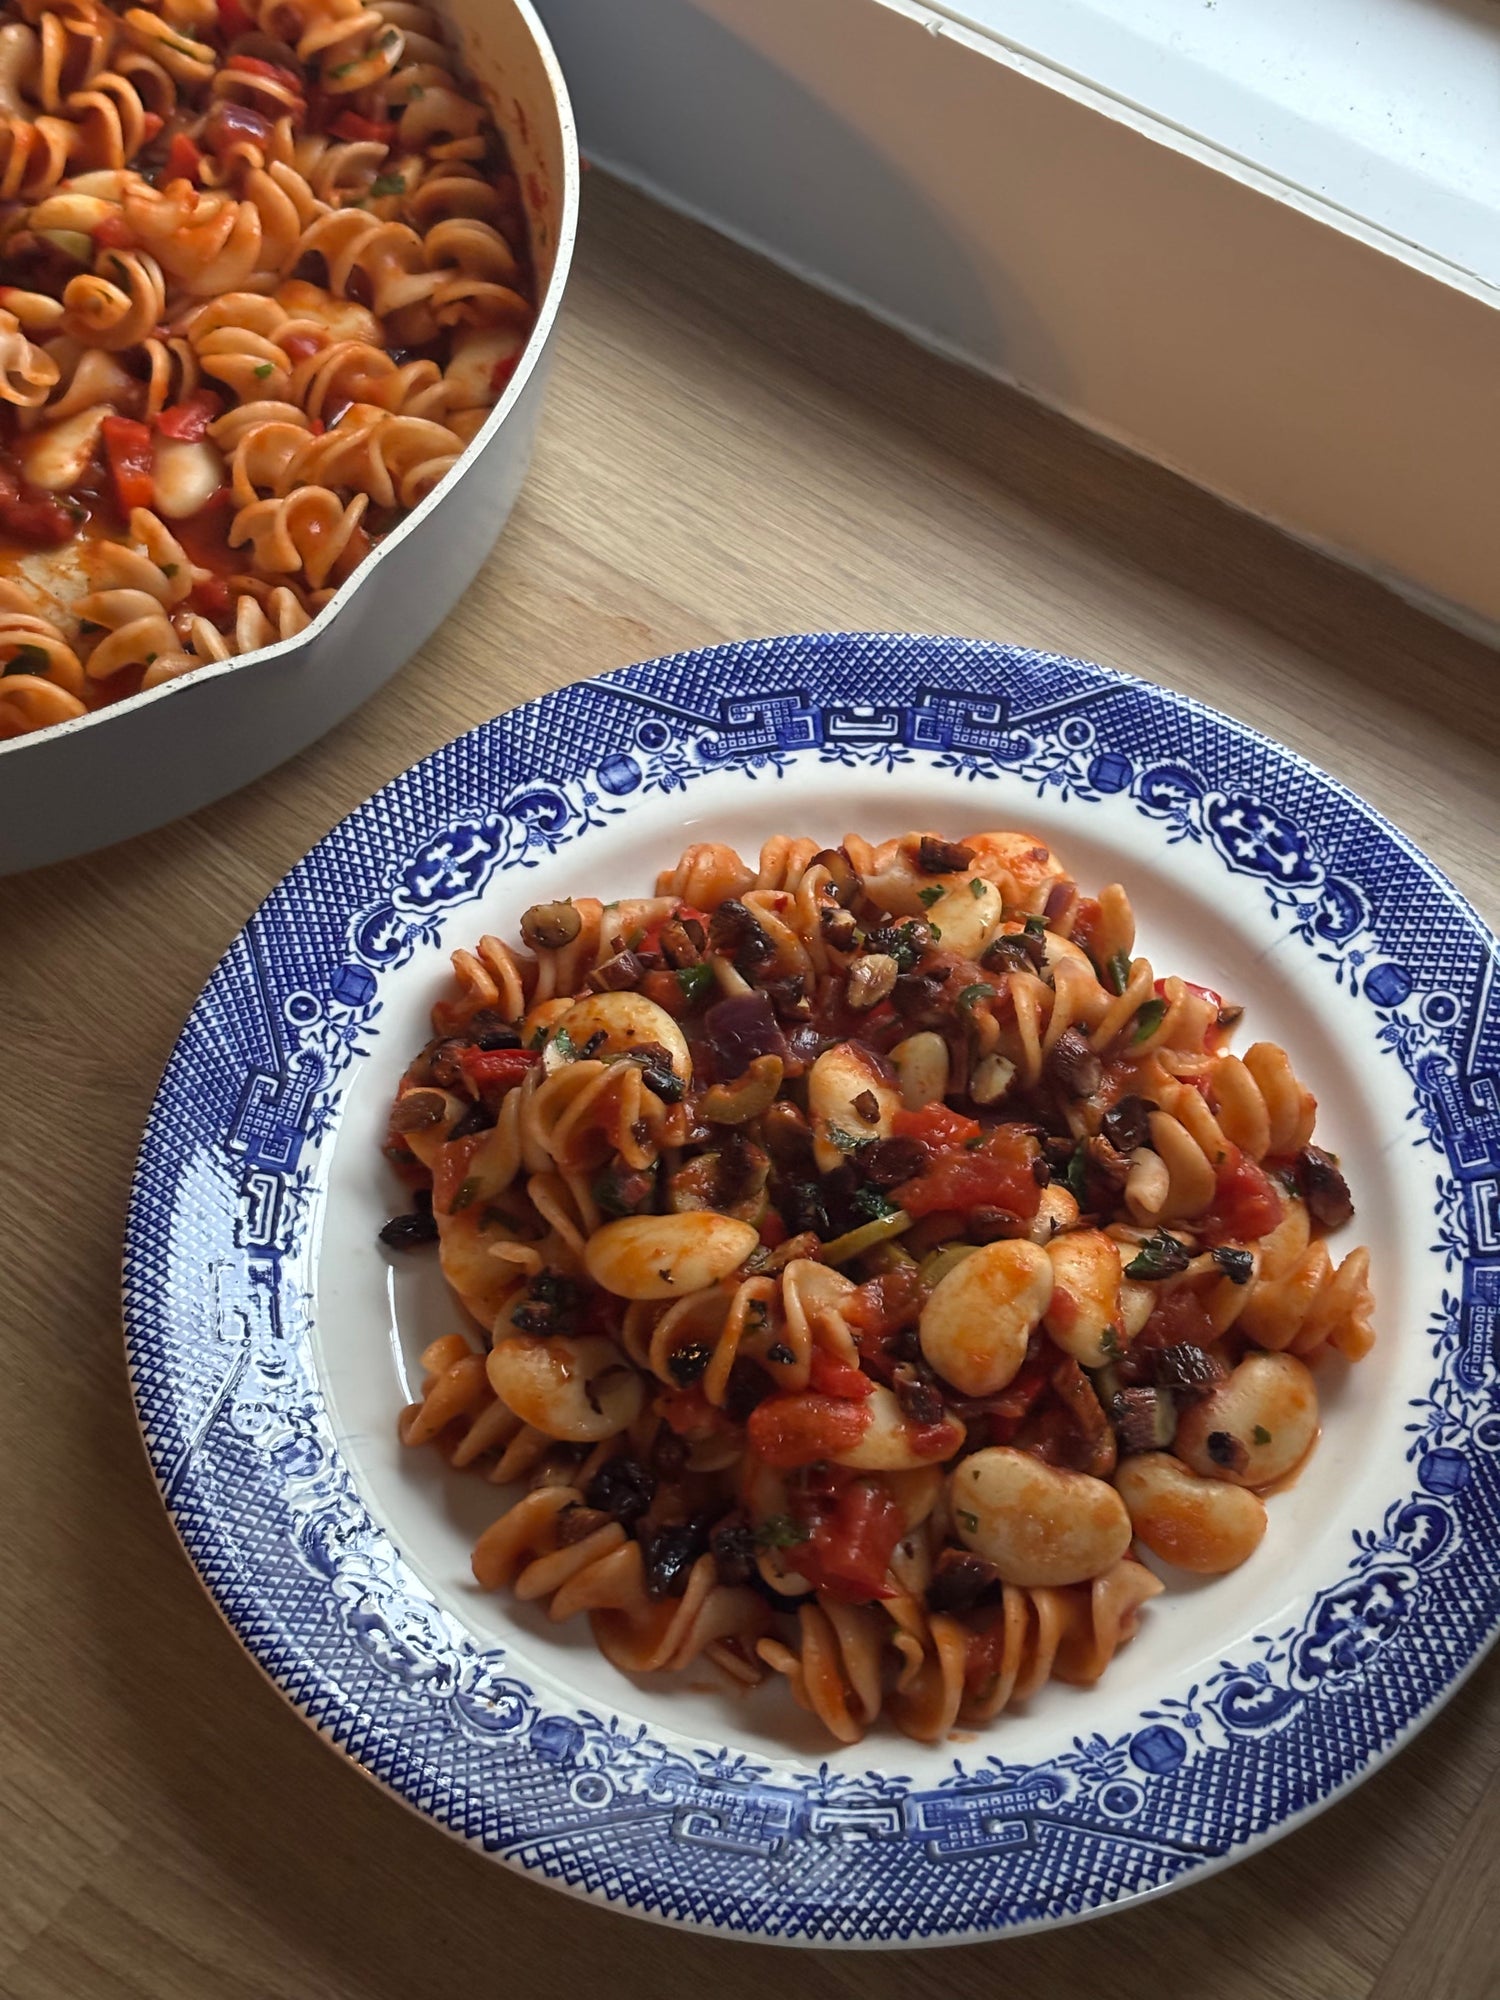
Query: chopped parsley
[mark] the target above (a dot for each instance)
(562, 1041)
(263, 371)
(968, 1520)
(1158, 1257)
(696, 981)
(970, 996)
(1077, 1185)
(1261, 1434)
(976, 886)
(467, 1193)
(1035, 927)
(1109, 1342)
(384, 184)
(344, 69)
(846, 1142)
(780, 1531)
(1148, 1019)
(871, 1205)
(1118, 969)
(928, 896)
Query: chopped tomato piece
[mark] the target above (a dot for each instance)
(497, 1069)
(836, 1378)
(184, 160)
(1086, 923)
(151, 124)
(501, 373)
(689, 1413)
(111, 232)
(376, 131)
(1203, 992)
(799, 1428)
(300, 346)
(32, 516)
(936, 1126)
(211, 597)
(1246, 1204)
(995, 1175)
(127, 446)
(773, 1231)
(1009, 1410)
(1181, 1317)
(883, 1305)
(258, 66)
(849, 1551)
(233, 20)
(188, 421)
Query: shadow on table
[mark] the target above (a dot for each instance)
(371, 1901)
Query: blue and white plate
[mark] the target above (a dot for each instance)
(273, 1341)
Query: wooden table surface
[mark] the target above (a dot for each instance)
(725, 454)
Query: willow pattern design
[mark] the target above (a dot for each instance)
(266, 273)
(873, 1256)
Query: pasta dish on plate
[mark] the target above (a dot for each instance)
(873, 1257)
(265, 273)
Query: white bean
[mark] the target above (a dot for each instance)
(665, 1256)
(976, 1324)
(887, 1442)
(578, 1390)
(967, 914)
(1255, 1426)
(1203, 1525)
(921, 1066)
(1057, 1210)
(850, 1098)
(626, 1020)
(1036, 1523)
(1084, 1314)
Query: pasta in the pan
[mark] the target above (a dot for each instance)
(265, 274)
(872, 1256)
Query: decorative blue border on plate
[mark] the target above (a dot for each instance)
(216, 1291)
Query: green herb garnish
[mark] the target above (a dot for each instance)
(1109, 1342)
(970, 996)
(1148, 1019)
(696, 982)
(1074, 1177)
(871, 1205)
(928, 896)
(1158, 1257)
(467, 1193)
(384, 184)
(1118, 969)
(780, 1531)
(967, 1520)
(846, 1142)
(1035, 927)
(976, 886)
(1261, 1434)
(266, 368)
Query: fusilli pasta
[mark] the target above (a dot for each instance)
(872, 1254)
(267, 272)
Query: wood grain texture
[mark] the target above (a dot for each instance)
(725, 454)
